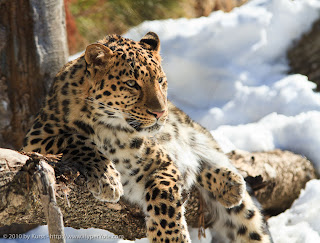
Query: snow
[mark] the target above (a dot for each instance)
(300, 223)
(228, 71)
(246, 46)
(298, 133)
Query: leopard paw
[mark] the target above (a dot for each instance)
(233, 188)
(105, 186)
(227, 186)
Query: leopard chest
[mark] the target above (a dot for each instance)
(128, 153)
(125, 151)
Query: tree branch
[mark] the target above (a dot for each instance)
(276, 177)
(45, 179)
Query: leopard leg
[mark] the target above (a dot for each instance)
(225, 184)
(103, 180)
(240, 224)
(164, 208)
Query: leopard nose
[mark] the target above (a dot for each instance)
(156, 113)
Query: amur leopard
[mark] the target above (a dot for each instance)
(108, 113)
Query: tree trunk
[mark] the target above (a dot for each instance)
(276, 187)
(33, 48)
(304, 56)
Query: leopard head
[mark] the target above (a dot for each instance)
(127, 78)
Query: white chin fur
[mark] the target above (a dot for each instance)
(151, 131)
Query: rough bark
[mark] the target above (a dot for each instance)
(304, 56)
(45, 179)
(33, 48)
(276, 176)
(269, 173)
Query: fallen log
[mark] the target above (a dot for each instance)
(276, 178)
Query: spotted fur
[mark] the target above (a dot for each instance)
(108, 113)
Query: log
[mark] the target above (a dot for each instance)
(276, 177)
(268, 173)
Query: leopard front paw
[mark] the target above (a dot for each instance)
(231, 193)
(105, 186)
(227, 186)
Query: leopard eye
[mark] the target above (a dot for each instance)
(131, 83)
(160, 80)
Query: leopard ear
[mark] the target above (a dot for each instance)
(152, 41)
(97, 54)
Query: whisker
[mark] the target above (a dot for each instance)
(103, 105)
(111, 112)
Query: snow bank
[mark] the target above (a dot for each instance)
(300, 223)
(289, 96)
(230, 69)
(246, 45)
(296, 133)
